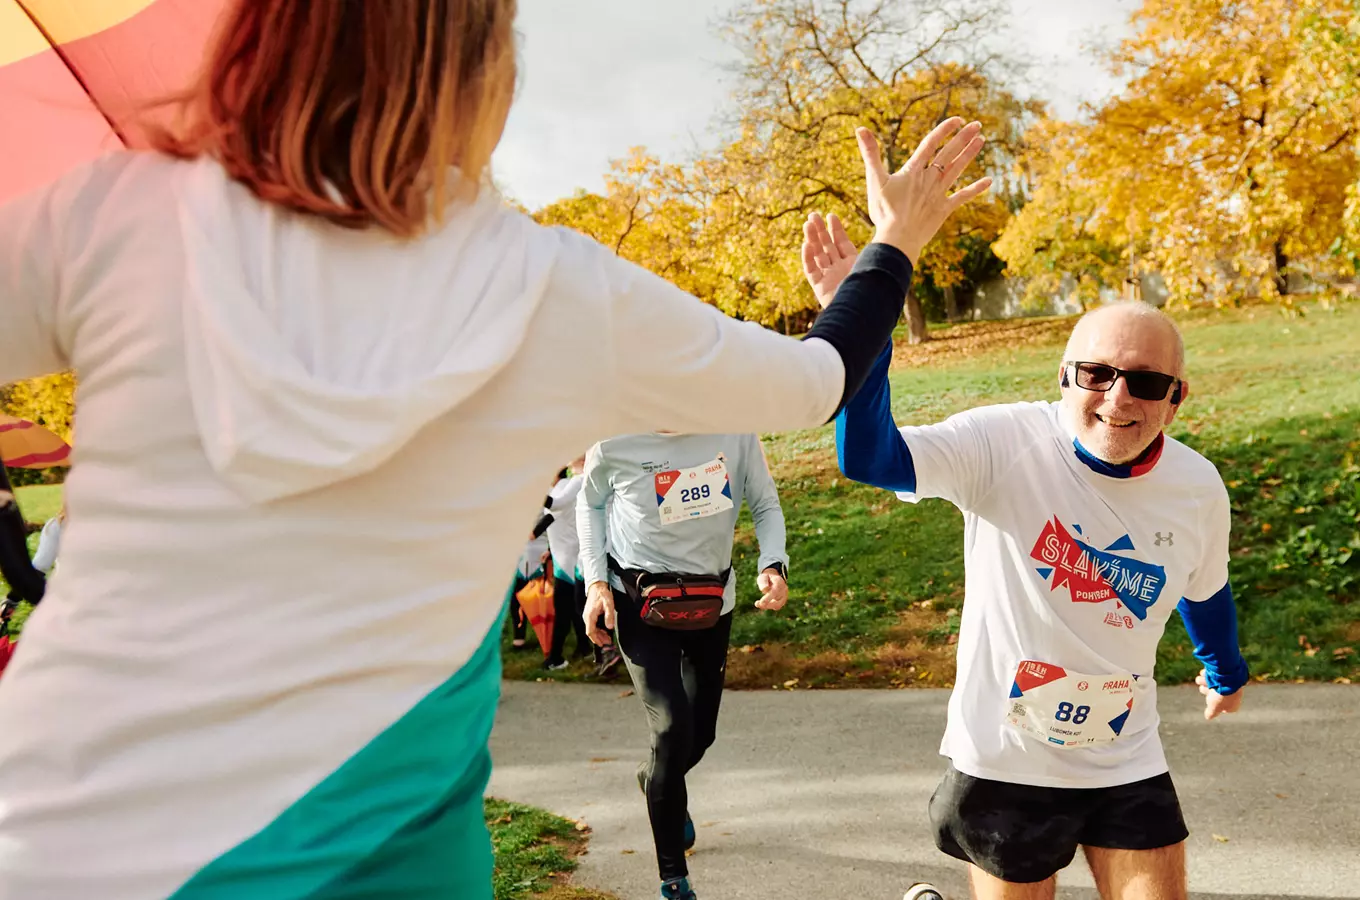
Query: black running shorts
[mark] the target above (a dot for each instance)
(1022, 833)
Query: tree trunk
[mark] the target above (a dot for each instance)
(1281, 275)
(951, 304)
(916, 320)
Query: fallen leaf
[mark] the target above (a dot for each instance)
(1343, 652)
(1220, 838)
(1266, 526)
(1283, 796)
(604, 759)
(582, 826)
(627, 852)
(791, 682)
(690, 852)
(707, 824)
(627, 693)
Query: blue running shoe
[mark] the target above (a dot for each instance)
(677, 889)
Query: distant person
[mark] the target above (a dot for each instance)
(25, 582)
(666, 506)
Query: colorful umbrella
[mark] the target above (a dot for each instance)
(24, 445)
(536, 602)
(76, 77)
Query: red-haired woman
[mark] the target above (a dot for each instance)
(321, 386)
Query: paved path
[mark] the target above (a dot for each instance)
(820, 795)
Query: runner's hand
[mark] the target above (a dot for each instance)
(828, 255)
(774, 590)
(1215, 704)
(599, 601)
(908, 206)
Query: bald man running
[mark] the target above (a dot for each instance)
(1084, 527)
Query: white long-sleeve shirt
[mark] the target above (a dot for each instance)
(306, 461)
(631, 501)
(563, 539)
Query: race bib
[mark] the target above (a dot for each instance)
(684, 494)
(1069, 709)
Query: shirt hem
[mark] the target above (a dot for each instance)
(1126, 775)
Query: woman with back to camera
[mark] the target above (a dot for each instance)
(313, 352)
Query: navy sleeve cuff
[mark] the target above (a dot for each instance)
(1212, 626)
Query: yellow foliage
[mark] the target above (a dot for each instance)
(728, 227)
(48, 401)
(1224, 163)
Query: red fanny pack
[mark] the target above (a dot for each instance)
(675, 601)
(681, 602)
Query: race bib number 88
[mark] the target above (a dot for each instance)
(693, 493)
(1070, 709)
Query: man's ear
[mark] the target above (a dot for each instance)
(1180, 393)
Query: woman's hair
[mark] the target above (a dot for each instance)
(354, 110)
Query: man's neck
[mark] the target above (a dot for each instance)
(1140, 465)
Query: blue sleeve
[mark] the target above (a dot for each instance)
(869, 447)
(1212, 626)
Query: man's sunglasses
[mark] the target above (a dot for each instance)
(1141, 384)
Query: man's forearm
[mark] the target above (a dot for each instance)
(869, 448)
(1212, 626)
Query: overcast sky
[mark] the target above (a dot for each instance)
(601, 76)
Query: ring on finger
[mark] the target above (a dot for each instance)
(937, 166)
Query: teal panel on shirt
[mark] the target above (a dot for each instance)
(401, 818)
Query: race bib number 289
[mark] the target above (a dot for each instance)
(1070, 709)
(693, 493)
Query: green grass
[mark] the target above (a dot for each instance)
(39, 502)
(533, 849)
(1275, 404)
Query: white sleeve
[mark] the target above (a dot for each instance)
(49, 545)
(1211, 574)
(591, 524)
(963, 457)
(30, 285)
(677, 364)
(564, 495)
(766, 513)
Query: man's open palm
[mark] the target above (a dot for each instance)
(828, 256)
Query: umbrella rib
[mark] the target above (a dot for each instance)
(75, 73)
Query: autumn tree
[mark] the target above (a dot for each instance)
(813, 70)
(727, 226)
(1223, 165)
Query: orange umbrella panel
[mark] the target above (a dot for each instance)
(25, 445)
(76, 76)
(536, 601)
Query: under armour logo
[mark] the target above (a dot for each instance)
(1167, 539)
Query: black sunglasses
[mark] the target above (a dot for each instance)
(1141, 384)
